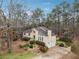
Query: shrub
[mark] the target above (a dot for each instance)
(20, 46)
(15, 39)
(26, 46)
(23, 46)
(61, 45)
(43, 49)
(32, 42)
(65, 39)
(30, 46)
(25, 49)
(26, 39)
(40, 43)
(68, 41)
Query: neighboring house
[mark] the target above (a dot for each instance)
(3, 34)
(41, 34)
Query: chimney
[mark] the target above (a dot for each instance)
(49, 34)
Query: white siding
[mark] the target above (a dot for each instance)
(50, 43)
(54, 40)
(26, 35)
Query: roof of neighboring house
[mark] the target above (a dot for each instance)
(28, 31)
(41, 31)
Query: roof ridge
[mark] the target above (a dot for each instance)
(42, 29)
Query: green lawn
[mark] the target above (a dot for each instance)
(59, 42)
(24, 55)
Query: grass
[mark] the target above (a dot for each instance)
(59, 42)
(23, 55)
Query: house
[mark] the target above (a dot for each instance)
(41, 34)
(2, 37)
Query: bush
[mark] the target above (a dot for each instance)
(30, 46)
(65, 39)
(20, 46)
(26, 46)
(15, 39)
(68, 41)
(61, 45)
(43, 49)
(40, 43)
(32, 42)
(23, 46)
(26, 39)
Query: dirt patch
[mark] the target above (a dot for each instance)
(15, 47)
(75, 47)
(70, 56)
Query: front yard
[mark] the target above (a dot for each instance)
(23, 55)
(54, 53)
(26, 49)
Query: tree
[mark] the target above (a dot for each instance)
(51, 20)
(19, 15)
(2, 16)
(1, 3)
(66, 15)
(75, 12)
(37, 16)
(57, 13)
(9, 41)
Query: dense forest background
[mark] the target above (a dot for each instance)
(63, 19)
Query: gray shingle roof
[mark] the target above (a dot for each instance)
(28, 31)
(41, 31)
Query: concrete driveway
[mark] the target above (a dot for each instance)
(53, 53)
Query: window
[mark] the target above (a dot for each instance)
(49, 43)
(34, 36)
(24, 33)
(38, 38)
(41, 38)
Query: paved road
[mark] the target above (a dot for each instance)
(53, 53)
